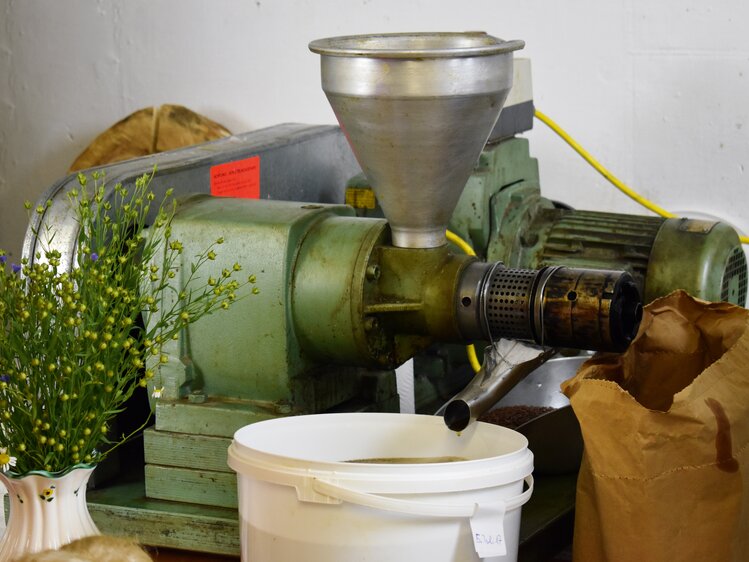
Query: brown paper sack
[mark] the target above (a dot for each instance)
(665, 472)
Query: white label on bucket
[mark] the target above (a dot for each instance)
(488, 530)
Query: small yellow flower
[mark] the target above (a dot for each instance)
(6, 460)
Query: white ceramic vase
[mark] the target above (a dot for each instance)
(47, 510)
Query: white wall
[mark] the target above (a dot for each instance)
(659, 91)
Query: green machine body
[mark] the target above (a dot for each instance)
(504, 215)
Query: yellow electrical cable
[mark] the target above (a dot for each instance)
(463, 245)
(621, 186)
(473, 358)
(460, 243)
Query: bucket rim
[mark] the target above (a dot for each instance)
(380, 477)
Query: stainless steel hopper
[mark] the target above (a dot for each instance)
(417, 109)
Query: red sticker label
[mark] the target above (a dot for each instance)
(237, 179)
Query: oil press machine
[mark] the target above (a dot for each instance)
(344, 298)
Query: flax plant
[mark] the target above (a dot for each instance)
(74, 341)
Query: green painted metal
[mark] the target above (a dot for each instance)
(597, 240)
(499, 199)
(683, 243)
(506, 219)
(328, 290)
(251, 351)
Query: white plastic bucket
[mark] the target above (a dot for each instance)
(300, 500)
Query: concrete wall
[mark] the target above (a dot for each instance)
(658, 91)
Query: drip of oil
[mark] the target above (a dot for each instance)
(408, 460)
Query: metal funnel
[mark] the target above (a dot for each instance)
(417, 109)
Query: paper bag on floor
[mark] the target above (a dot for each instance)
(665, 472)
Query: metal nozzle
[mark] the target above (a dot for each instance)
(506, 364)
(417, 109)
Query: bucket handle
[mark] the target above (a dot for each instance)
(411, 507)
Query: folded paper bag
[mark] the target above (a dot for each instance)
(665, 471)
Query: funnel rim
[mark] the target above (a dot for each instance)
(373, 45)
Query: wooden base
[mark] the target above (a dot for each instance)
(212, 533)
(124, 510)
(172, 555)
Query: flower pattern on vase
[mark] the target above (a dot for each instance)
(48, 494)
(59, 515)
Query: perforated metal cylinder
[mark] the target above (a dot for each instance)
(553, 306)
(507, 302)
